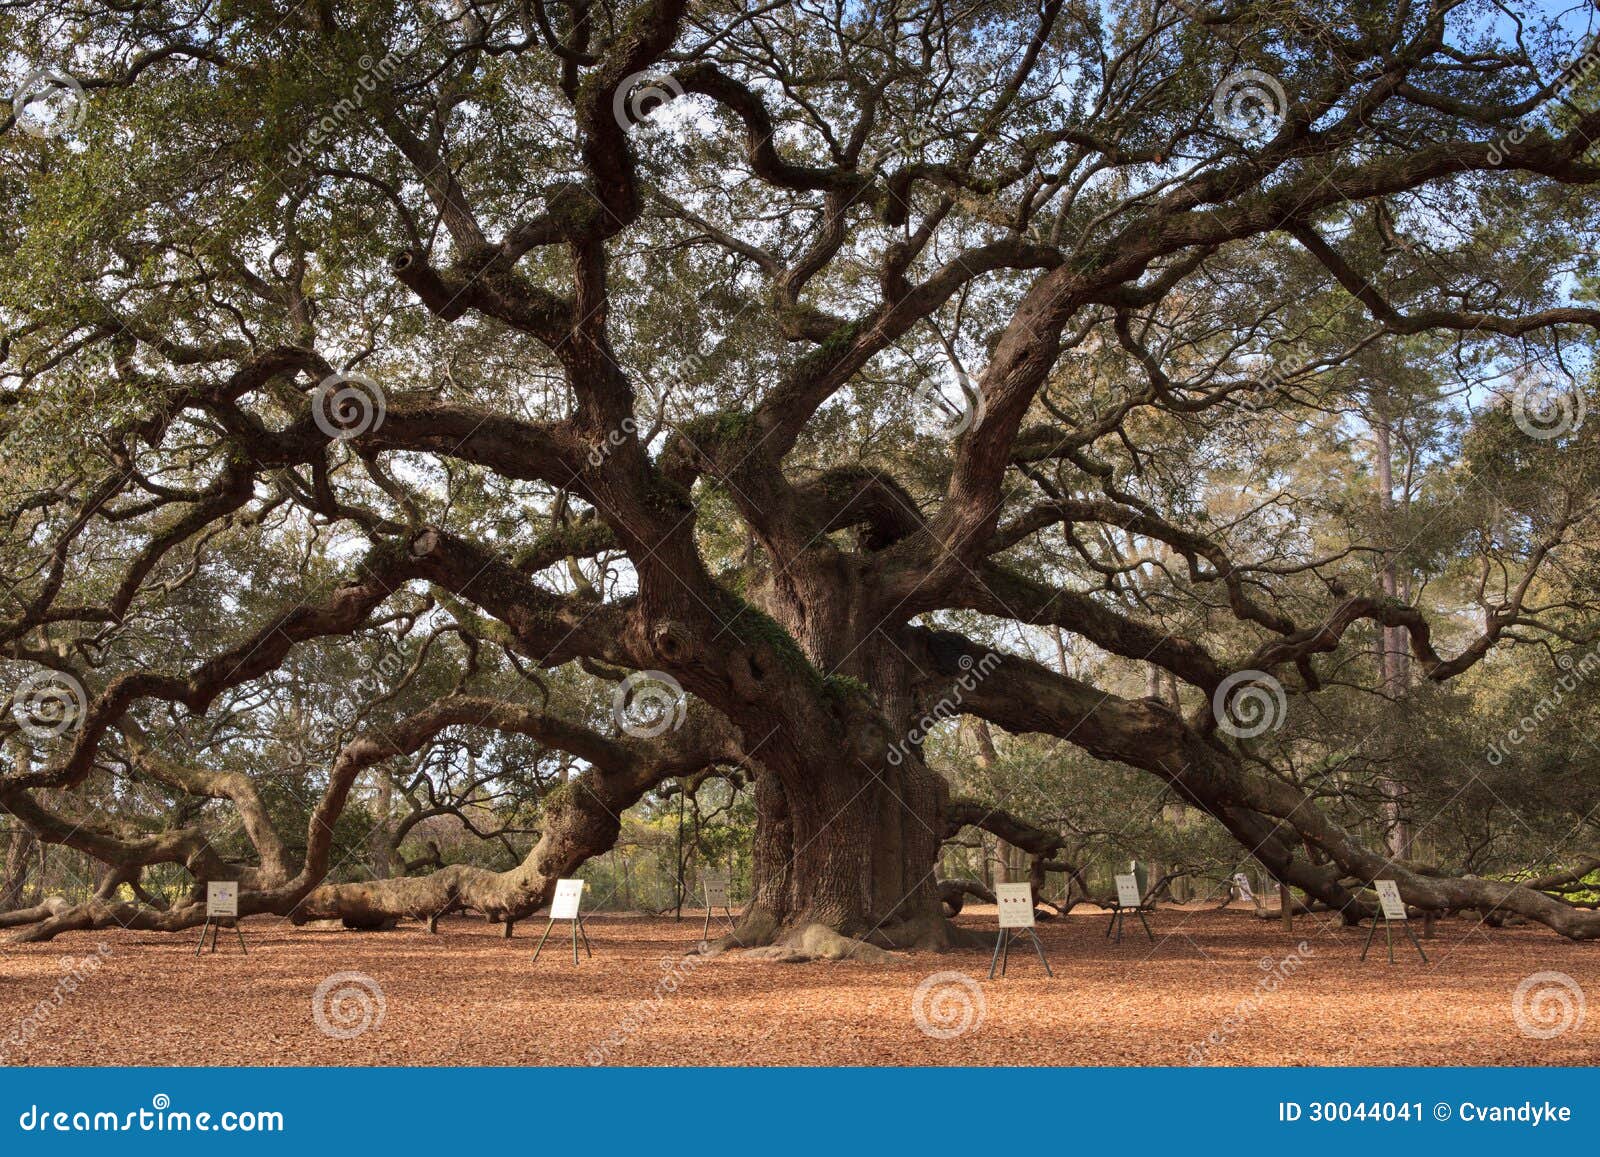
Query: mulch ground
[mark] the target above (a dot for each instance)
(468, 997)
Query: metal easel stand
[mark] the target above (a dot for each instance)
(213, 925)
(1002, 950)
(1119, 917)
(577, 928)
(1388, 933)
(727, 914)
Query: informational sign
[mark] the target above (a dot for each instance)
(1016, 905)
(1015, 902)
(222, 898)
(569, 893)
(716, 888)
(1242, 882)
(1128, 891)
(1394, 908)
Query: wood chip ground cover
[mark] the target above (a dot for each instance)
(469, 997)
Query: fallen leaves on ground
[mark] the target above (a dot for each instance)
(468, 997)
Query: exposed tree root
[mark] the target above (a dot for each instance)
(763, 937)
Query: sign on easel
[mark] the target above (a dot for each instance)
(569, 895)
(716, 888)
(1242, 883)
(564, 906)
(222, 903)
(1015, 904)
(715, 885)
(1128, 900)
(1392, 906)
(222, 898)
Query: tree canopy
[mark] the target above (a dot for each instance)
(914, 416)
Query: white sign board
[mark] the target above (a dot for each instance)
(1242, 882)
(1016, 905)
(222, 898)
(1394, 908)
(716, 888)
(568, 895)
(1128, 891)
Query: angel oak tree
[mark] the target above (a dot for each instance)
(814, 356)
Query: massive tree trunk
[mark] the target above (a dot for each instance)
(848, 835)
(851, 851)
